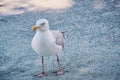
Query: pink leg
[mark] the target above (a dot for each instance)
(60, 71)
(43, 73)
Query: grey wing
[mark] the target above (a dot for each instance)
(59, 36)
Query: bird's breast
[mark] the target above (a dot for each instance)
(43, 42)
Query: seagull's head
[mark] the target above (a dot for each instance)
(42, 25)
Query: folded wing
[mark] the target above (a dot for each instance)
(59, 36)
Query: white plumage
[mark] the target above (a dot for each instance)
(47, 42)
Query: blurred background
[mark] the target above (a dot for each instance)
(21, 6)
(92, 48)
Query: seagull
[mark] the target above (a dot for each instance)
(47, 42)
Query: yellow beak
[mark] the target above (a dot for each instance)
(35, 27)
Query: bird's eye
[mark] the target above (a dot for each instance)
(42, 23)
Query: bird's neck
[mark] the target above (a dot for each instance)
(43, 30)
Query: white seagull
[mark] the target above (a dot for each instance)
(47, 42)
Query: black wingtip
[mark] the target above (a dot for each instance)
(63, 32)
